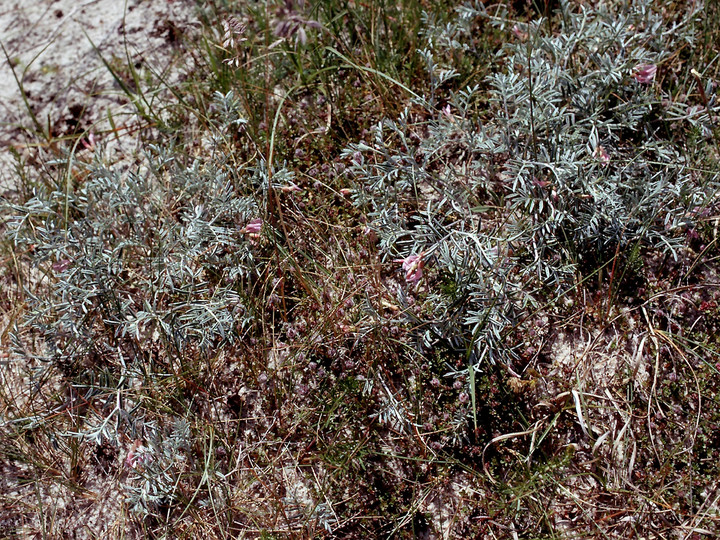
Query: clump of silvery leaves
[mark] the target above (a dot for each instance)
(133, 261)
(156, 467)
(569, 162)
(138, 272)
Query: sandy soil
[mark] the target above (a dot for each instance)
(56, 49)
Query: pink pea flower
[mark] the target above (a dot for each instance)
(253, 228)
(413, 266)
(519, 33)
(89, 142)
(645, 73)
(601, 154)
(291, 188)
(138, 457)
(61, 265)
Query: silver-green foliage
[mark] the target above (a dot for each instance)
(156, 468)
(135, 258)
(573, 156)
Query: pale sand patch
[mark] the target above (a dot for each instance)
(54, 45)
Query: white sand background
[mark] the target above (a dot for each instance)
(66, 82)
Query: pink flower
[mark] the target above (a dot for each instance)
(253, 228)
(519, 33)
(290, 189)
(138, 457)
(61, 265)
(413, 265)
(601, 154)
(89, 142)
(645, 73)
